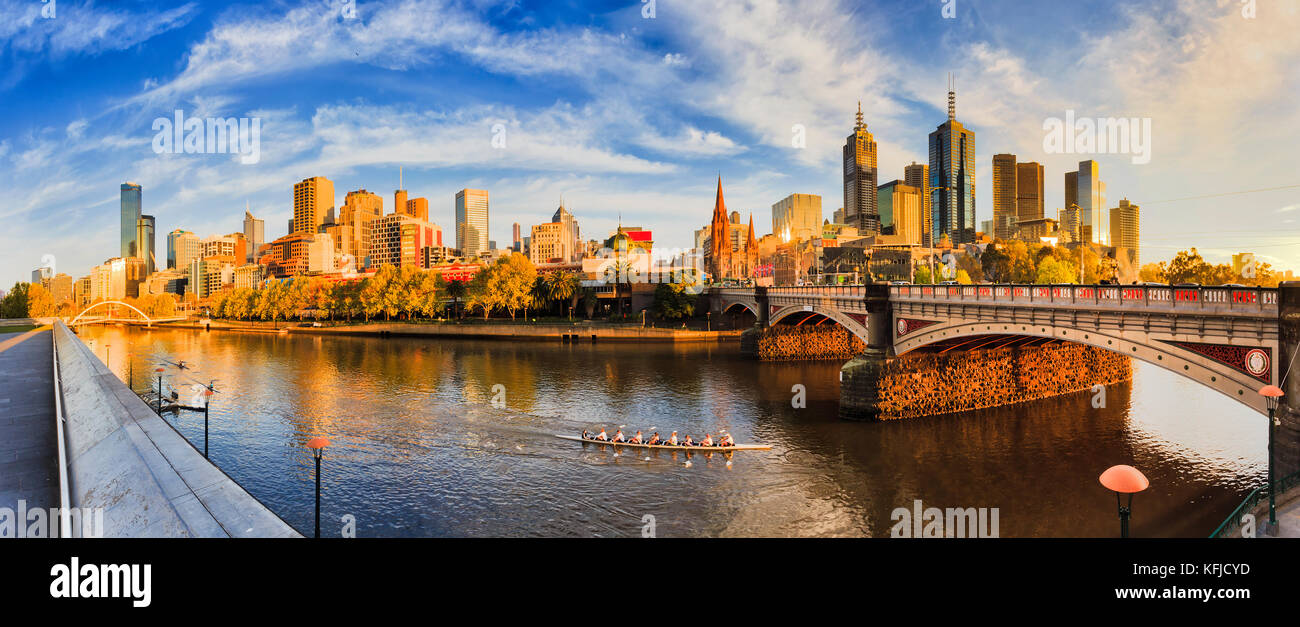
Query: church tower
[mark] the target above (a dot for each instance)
(720, 264)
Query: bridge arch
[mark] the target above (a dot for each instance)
(854, 326)
(110, 302)
(1171, 355)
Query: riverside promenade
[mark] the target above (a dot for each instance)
(128, 472)
(29, 469)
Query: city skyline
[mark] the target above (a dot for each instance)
(662, 171)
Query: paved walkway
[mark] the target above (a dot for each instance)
(29, 467)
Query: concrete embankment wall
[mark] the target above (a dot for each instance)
(923, 384)
(554, 332)
(145, 475)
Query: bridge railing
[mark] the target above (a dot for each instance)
(848, 291)
(1231, 297)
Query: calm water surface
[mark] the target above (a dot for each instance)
(418, 450)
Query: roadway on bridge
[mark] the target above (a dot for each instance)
(29, 469)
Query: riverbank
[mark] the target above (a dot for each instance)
(563, 332)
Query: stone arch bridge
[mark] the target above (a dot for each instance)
(1232, 339)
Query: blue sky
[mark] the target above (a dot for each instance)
(625, 115)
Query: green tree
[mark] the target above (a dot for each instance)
(922, 275)
(15, 302)
(963, 277)
(673, 302)
(514, 281)
(457, 290)
(1051, 270)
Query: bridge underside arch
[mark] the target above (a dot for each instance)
(1186, 358)
(739, 315)
(805, 315)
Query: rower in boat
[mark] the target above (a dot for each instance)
(654, 439)
(726, 440)
(619, 437)
(672, 440)
(687, 441)
(601, 436)
(636, 439)
(707, 441)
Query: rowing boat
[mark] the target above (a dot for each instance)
(703, 449)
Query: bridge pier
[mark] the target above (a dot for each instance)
(1286, 447)
(860, 377)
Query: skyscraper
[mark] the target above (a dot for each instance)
(797, 216)
(1029, 191)
(515, 243)
(952, 178)
(918, 175)
(254, 234)
(182, 248)
(312, 199)
(1004, 196)
(1086, 189)
(472, 222)
(131, 197)
(900, 211)
(144, 237)
(1124, 232)
(860, 208)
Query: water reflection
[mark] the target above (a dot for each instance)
(417, 449)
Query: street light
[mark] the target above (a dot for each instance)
(207, 400)
(159, 370)
(1128, 480)
(1272, 395)
(317, 445)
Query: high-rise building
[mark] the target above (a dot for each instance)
(900, 211)
(313, 198)
(182, 248)
(418, 208)
(952, 178)
(472, 222)
(254, 233)
(1004, 196)
(399, 240)
(797, 216)
(1086, 189)
(556, 241)
(352, 231)
(918, 175)
(516, 244)
(860, 179)
(144, 237)
(130, 214)
(1124, 231)
(1029, 191)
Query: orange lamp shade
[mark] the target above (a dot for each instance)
(1271, 391)
(317, 444)
(1124, 479)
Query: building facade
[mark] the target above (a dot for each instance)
(797, 216)
(918, 175)
(254, 236)
(1086, 189)
(952, 179)
(1124, 230)
(860, 179)
(472, 222)
(313, 199)
(900, 211)
(130, 218)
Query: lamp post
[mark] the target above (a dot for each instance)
(207, 400)
(317, 445)
(130, 372)
(708, 321)
(159, 370)
(1272, 394)
(1124, 480)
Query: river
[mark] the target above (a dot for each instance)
(418, 449)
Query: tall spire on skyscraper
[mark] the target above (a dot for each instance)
(952, 97)
(860, 125)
